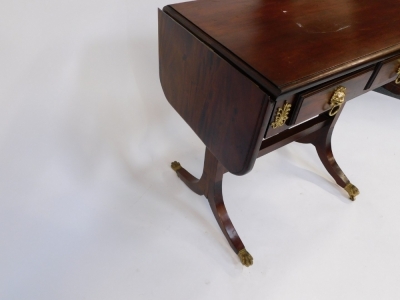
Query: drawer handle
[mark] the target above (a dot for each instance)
(281, 116)
(397, 81)
(337, 100)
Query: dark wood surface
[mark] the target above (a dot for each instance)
(314, 102)
(393, 88)
(225, 109)
(318, 132)
(322, 140)
(294, 43)
(293, 134)
(387, 72)
(227, 66)
(210, 185)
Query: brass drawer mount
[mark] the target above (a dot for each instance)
(337, 100)
(397, 81)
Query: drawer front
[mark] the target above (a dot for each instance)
(387, 72)
(318, 100)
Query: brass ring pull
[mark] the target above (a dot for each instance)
(337, 100)
(334, 110)
(397, 81)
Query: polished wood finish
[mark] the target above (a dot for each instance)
(225, 109)
(322, 140)
(293, 134)
(210, 185)
(392, 87)
(387, 72)
(279, 38)
(315, 101)
(227, 67)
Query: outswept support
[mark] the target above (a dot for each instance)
(210, 185)
(321, 139)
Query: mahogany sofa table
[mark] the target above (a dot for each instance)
(250, 76)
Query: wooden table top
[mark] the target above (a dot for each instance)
(290, 44)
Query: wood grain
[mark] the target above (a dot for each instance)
(225, 109)
(210, 185)
(292, 44)
(387, 72)
(315, 101)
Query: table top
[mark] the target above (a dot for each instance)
(290, 43)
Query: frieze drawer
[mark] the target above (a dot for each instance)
(329, 97)
(388, 72)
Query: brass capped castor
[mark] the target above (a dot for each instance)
(175, 166)
(245, 258)
(352, 190)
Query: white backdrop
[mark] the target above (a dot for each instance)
(90, 209)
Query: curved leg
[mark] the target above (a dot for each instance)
(321, 139)
(192, 182)
(210, 185)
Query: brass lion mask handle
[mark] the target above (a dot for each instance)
(337, 100)
(397, 81)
